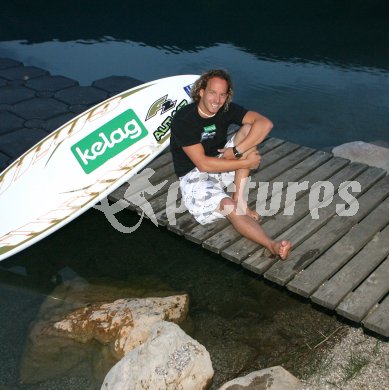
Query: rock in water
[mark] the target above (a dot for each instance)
(169, 360)
(273, 378)
(124, 323)
(363, 152)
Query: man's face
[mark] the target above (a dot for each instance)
(214, 95)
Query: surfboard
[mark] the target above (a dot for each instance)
(86, 159)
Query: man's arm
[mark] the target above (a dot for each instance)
(260, 128)
(206, 163)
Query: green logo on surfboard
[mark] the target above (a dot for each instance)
(109, 140)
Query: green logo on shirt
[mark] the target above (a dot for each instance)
(210, 129)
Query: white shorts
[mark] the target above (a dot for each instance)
(202, 192)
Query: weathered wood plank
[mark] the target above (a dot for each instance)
(156, 165)
(357, 304)
(309, 279)
(329, 229)
(280, 222)
(228, 235)
(254, 258)
(287, 162)
(377, 320)
(201, 232)
(158, 200)
(185, 222)
(137, 183)
(269, 144)
(331, 293)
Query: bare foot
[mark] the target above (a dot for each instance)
(253, 214)
(282, 249)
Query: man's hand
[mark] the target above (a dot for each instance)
(253, 159)
(227, 153)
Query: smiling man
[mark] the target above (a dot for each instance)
(206, 164)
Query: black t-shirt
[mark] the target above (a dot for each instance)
(189, 128)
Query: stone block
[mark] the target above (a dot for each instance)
(365, 153)
(79, 95)
(14, 144)
(116, 84)
(40, 108)
(78, 108)
(273, 378)
(4, 162)
(22, 73)
(50, 83)
(9, 122)
(35, 124)
(54, 123)
(12, 95)
(8, 63)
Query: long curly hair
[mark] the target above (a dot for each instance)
(201, 83)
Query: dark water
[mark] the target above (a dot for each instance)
(320, 71)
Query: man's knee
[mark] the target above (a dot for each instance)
(227, 206)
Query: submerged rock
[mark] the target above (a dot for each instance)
(125, 323)
(83, 329)
(273, 378)
(363, 152)
(169, 359)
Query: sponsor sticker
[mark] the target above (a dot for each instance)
(164, 127)
(188, 89)
(108, 141)
(162, 104)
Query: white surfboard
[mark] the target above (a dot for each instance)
(85, 160)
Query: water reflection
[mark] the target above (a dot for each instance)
(317, 104)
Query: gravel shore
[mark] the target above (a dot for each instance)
(357, 362)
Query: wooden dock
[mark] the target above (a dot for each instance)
(338, 262)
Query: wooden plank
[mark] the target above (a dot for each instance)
(280, 222)
(378, 319)
(269, 144)
(160, 161)
(309, 279)
(201, 232)
(186, 222)
(287, 162)
(331, 293)
(358, 303)
(156, 165)
(258, 262)
(313, 246)
(137, 183)
(158, 200)
(228, 235)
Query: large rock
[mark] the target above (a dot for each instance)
(273, 378)
(168, 360)
(125, 323)
(363, 152)
(52, 353)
